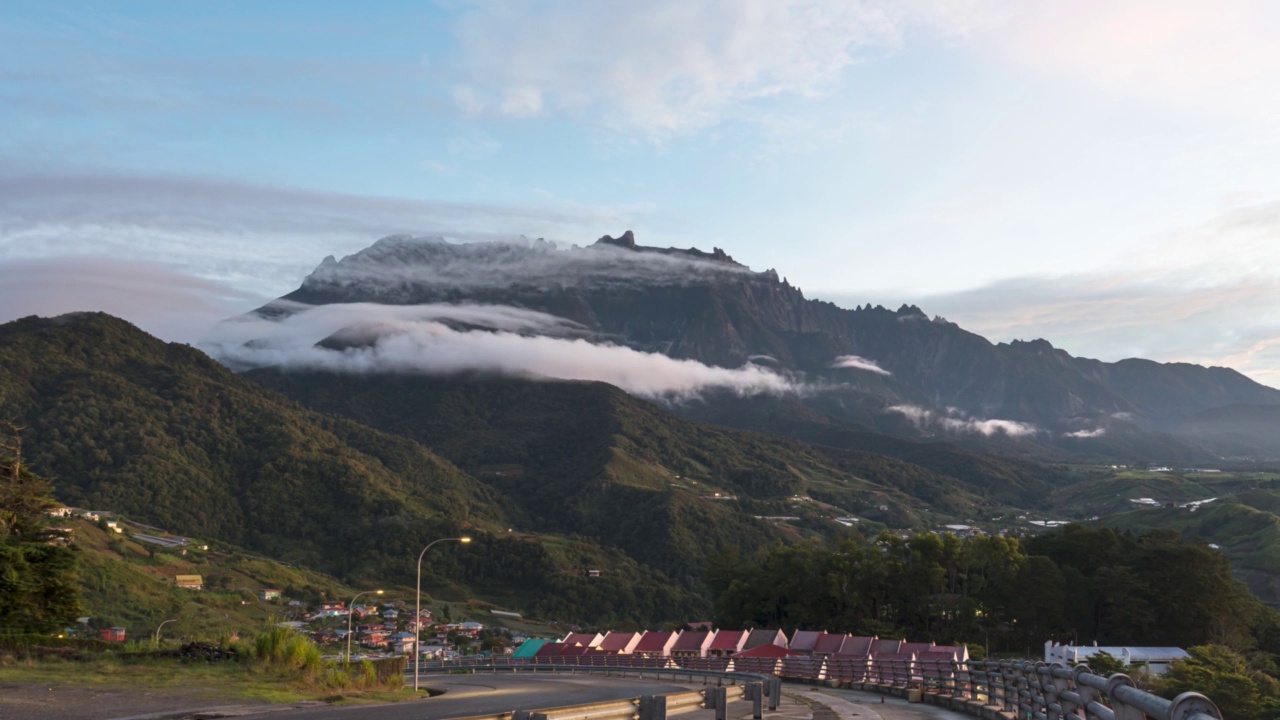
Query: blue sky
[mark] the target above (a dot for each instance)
(1104, 175)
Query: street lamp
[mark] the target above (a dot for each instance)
(166, 622)
(417, 613)
(349, 608)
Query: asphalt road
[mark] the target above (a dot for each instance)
(467, 695)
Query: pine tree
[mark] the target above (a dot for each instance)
(38, 588)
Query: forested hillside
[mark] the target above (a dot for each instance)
(124, 422)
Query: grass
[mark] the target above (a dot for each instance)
(223, 681)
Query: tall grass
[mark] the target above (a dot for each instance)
(282, 647)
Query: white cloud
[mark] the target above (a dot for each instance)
(955, 421)
(664, 66)
(1083, 434)
(858, 363)
(417, 339)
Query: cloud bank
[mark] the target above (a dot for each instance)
(956, 421)
(422, 339)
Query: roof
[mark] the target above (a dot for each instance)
(857, 645)
(805, 639)
(886, 646)
(729, 640)
(762, 637)
(829, 644)
(915, 647)
(548, 649)
(585, 639)
(529, 647)
(767, 650)
(659, 641)
(692, 640)
(619, 642)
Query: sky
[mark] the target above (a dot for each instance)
(1105, 175)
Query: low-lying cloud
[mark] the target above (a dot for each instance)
(956, 421)
(421, 339)
(1085, 434)
(856, 362)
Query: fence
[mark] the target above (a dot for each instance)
(986, 689)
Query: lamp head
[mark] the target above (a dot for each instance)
(377, 592)
(464, 540)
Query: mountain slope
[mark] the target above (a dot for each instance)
(164, 434)
(590, 459)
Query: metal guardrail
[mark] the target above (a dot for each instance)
(1027, 690)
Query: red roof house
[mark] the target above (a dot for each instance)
(767, 651)
(692, 643)
(858, 645)
(804, 640)
(655, 644)
(583, 639)
(829, 644)
(620, 643)
(726, 643)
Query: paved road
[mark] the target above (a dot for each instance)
(484, 694)
(847, 704)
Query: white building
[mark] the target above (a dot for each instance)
(1155, 659)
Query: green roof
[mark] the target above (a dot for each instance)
(529, 647)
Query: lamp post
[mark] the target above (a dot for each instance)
(349, 608)
(166, 622)
(417, 612)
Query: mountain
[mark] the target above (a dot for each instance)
(163, 433)
(885, 370)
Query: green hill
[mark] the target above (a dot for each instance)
(162, 433)
(587, 458)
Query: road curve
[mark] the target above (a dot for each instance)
(467, 695)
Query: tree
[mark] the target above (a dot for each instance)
(1224, 676)
(1104, 663)
(38, 589)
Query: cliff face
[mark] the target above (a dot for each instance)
(707, 307)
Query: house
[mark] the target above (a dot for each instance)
(333, 607)
(858, 645)
(763, 658)
(583, 639)
(401, 646)
(620, 643)
(112, 634)
(391, 614)
(804, 640)
(114, 526)
(829, 644)
(528, 648)
(760, 637)
(377, 638)
(549, 650)
(269, 594)
(655, 644)
(691, 644)
(389, 625)
(1155, 659)
(727, 643)
(59, 511)
(886, 647)
(189, 582)
(61, 535)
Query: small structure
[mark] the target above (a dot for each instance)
(620, 643)
(269, 594)
(112, 634)
(1155, 659)
(761, 636)
(829, 644)
(584, 639)
(528, 648)
(189, 582)
(727, 643)
(804, 640)
(655, 644)
(691, 644)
